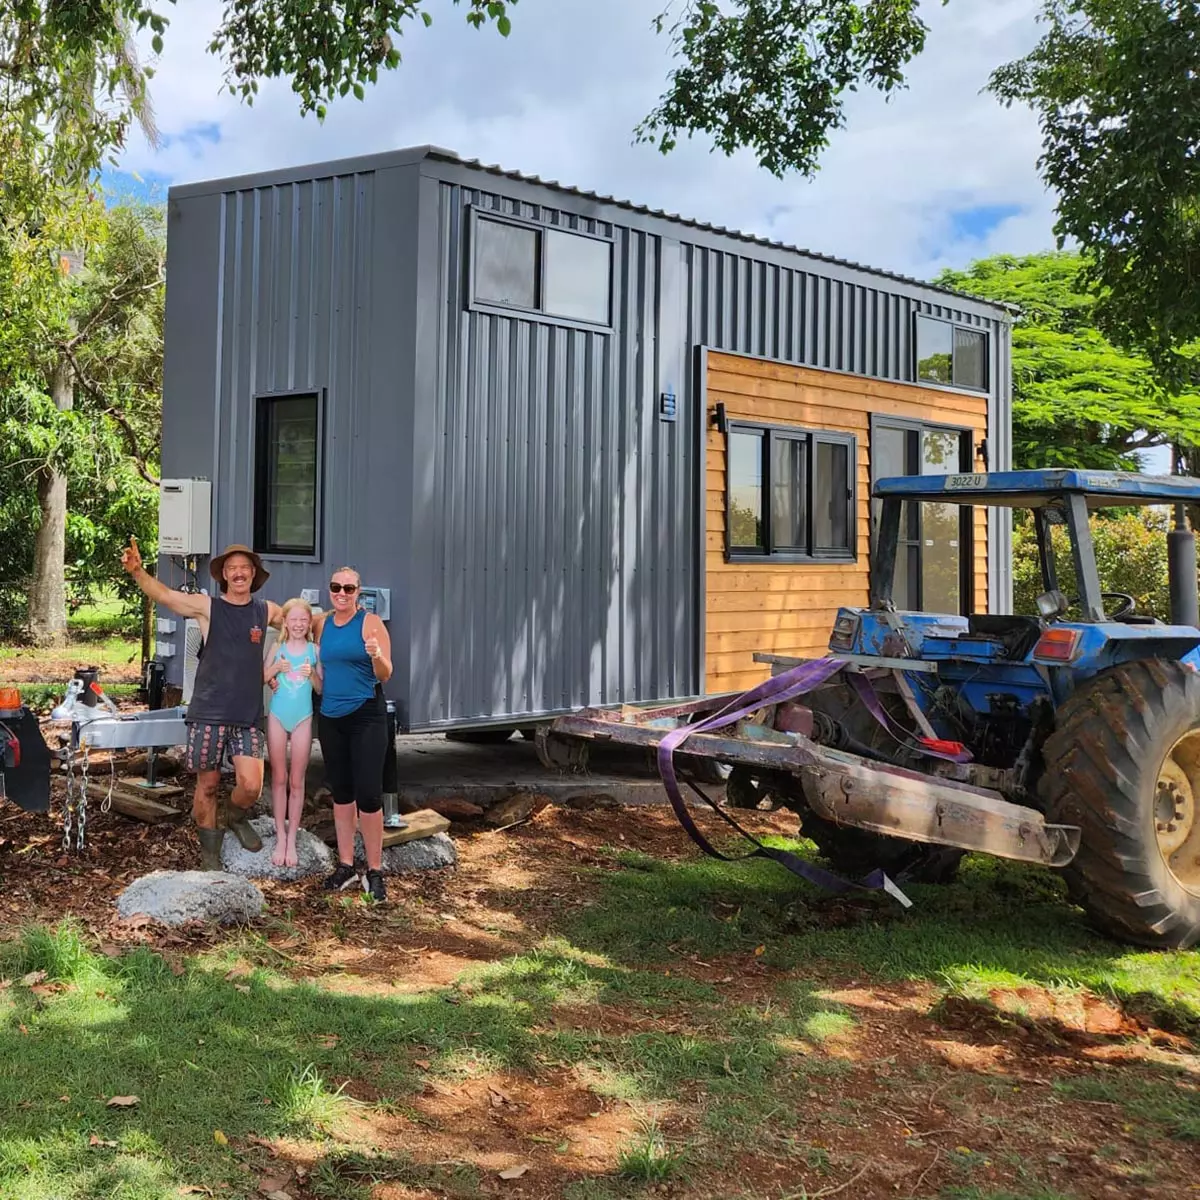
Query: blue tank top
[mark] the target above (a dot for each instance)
(348, 675)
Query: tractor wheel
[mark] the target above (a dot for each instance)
(1124, 765)
(855, 852)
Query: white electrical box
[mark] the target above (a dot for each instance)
(185, 516)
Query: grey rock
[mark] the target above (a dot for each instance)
(423, 854)
(315, 857)
(174, 897)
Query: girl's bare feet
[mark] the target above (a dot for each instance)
(279, 854)
(291, 858)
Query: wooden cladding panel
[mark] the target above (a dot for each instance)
(788, 608)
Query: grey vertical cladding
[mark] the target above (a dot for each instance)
(556, 515)
(296, 269)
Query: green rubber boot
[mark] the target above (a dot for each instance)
(210, 848)
(237, 821)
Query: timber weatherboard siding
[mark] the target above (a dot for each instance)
(507, 476)
(789, 608)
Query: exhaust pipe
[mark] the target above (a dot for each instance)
(1181, 576)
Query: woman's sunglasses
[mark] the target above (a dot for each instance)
(348, 588)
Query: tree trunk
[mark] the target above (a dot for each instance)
(47, 592)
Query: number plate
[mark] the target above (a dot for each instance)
(955, 482)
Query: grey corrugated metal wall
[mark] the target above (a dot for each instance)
(288, 289)
(553, 522)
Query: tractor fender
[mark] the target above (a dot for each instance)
(1112, 643)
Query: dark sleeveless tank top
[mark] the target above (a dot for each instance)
(229, 678)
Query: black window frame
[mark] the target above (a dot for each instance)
(966, 517)
(955, 328)
(263, 404)
(772, 552)
(477, 213)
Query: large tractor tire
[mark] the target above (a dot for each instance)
(1124, 765)
(855, 852)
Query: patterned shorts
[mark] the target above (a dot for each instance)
(207, 745)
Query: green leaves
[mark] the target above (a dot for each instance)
(325, 50)
(1116, 87)
(1078, 400)
(770, 75)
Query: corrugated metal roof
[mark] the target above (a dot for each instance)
(692, 223)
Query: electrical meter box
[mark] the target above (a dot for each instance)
(377, 600)
(185, 516)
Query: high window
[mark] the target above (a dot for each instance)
(540, 269)
(789, 493)
(952, 355)
(933, 557)
(287, 475)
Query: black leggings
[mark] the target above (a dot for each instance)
(354, 748)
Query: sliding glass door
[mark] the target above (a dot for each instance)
(933, 559)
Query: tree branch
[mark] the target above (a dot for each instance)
(118, 417)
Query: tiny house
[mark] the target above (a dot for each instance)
(582, 453)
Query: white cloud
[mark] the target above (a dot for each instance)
(561, 96)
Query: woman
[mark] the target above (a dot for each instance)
(356, 657)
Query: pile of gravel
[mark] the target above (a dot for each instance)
(315, 858)
(174, 897)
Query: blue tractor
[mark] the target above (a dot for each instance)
(1069, 738)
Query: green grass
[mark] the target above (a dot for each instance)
(647, 1158)
(1002, 925)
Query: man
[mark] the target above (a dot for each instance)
(225, 711)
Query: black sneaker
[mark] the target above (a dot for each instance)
(375, 886)
(342, 878)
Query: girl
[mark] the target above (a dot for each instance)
(297, 666)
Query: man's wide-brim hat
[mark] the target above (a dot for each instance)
(217, 567)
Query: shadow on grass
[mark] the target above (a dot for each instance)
(1002, 924)
(257, 1055)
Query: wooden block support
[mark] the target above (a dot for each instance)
(159, 791)
(132, 804)
(421, 824)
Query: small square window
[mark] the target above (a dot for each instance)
(578, 275)
(950, 354)
(287, 474)
(506, 264)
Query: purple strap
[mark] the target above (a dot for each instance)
(866, 692)
(776, 690)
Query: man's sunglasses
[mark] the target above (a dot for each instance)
(348, 588)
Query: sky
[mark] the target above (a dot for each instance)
(937, 176)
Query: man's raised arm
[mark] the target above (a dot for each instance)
(183, 604)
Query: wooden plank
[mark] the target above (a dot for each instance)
(159, 791)
(421, 824)
(132, 804)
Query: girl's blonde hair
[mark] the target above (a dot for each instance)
(295, 602)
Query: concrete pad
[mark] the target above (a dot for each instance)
(430, 767)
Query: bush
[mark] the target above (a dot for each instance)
(1131, 556)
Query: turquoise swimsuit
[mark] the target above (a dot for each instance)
(293, 702)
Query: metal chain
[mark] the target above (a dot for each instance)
(81, 822)
(69, 803)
